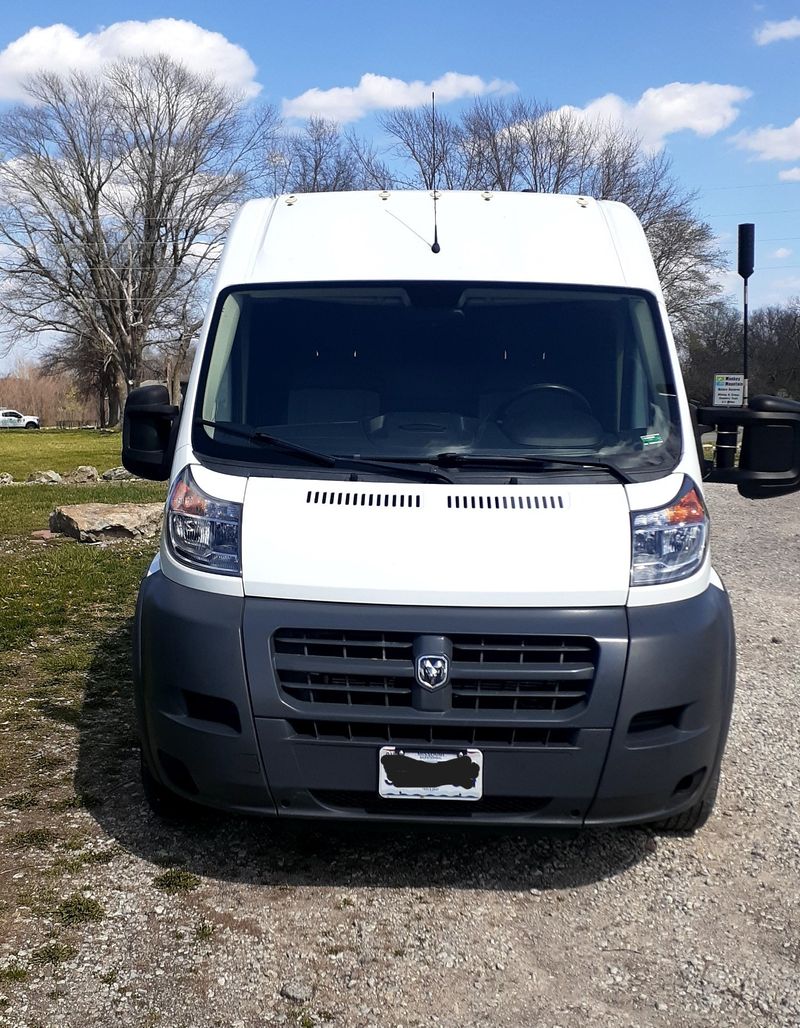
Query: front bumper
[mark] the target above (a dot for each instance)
(218, 727)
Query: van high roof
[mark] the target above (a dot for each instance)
(502, 237)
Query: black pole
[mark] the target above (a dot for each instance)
(744, 335)
(747, 240)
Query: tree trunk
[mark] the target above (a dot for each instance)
(114, 407)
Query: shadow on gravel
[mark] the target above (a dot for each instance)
(264, 852)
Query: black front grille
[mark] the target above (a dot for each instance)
(369, 803)
(412, 733)
(354, 668)
(488, 672)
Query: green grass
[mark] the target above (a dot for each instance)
(61, 451)
(177, 879)
(13, 973)
(21, 801)
(79, 909)
(53, 953)
(26, 508)
(33, 839)
(78, 801)
(60, 602)
(71, 865)
(65, 614)
(47, 589)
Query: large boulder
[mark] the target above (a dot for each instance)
(44, 478)
(84, 473)
(107, 522)
(119, 474)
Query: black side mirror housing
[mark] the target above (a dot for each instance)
(769, 459)
(149, 428)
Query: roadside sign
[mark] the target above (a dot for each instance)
(728, 390)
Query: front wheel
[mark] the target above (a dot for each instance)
(31, 424)
(163, 801)
(688, 822)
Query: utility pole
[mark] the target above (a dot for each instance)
(747, 239)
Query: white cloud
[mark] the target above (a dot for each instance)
(773, 144)
(789, 175)
(378, 92)
(772, 31)
(704, 108)
(781, 252)
(59, 48)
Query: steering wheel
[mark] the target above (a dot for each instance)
(501, 410)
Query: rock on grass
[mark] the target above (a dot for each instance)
(44, 478)
(107, 522)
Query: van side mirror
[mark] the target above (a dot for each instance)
(148, 432)
(769, 457)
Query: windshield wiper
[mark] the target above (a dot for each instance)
(454, 459)
(325, 460)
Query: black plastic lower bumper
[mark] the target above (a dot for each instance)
(216, 727)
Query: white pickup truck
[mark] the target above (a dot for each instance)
(13, 419)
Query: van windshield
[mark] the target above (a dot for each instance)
(414, 370)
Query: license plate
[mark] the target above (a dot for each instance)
(404, 774)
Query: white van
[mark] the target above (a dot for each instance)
(435, 544)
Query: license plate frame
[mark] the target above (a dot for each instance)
(427, 774)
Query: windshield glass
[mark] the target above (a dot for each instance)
(412, 370)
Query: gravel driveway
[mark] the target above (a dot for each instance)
(232, 923)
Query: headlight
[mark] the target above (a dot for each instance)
(670, 543)
(203, 531)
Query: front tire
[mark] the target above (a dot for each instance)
(31, 424)
(689, 821)
(164, 803)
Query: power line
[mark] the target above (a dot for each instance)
(756, 185)
(738, 214)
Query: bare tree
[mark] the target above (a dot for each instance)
(115, 194)
(521, 144)
(709, 344)
(775, 350)
(320, 157)
(76, 356)
(712, 344)
(373, 171)
(430, 146)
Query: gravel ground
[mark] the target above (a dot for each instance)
(275, 927)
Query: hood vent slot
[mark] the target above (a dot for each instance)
(552, 502)
(353, 499)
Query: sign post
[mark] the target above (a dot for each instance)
(729, 391)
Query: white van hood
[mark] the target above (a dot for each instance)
(425, 544)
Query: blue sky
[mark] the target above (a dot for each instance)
(729, 127)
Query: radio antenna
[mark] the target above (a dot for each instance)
(435, 248)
